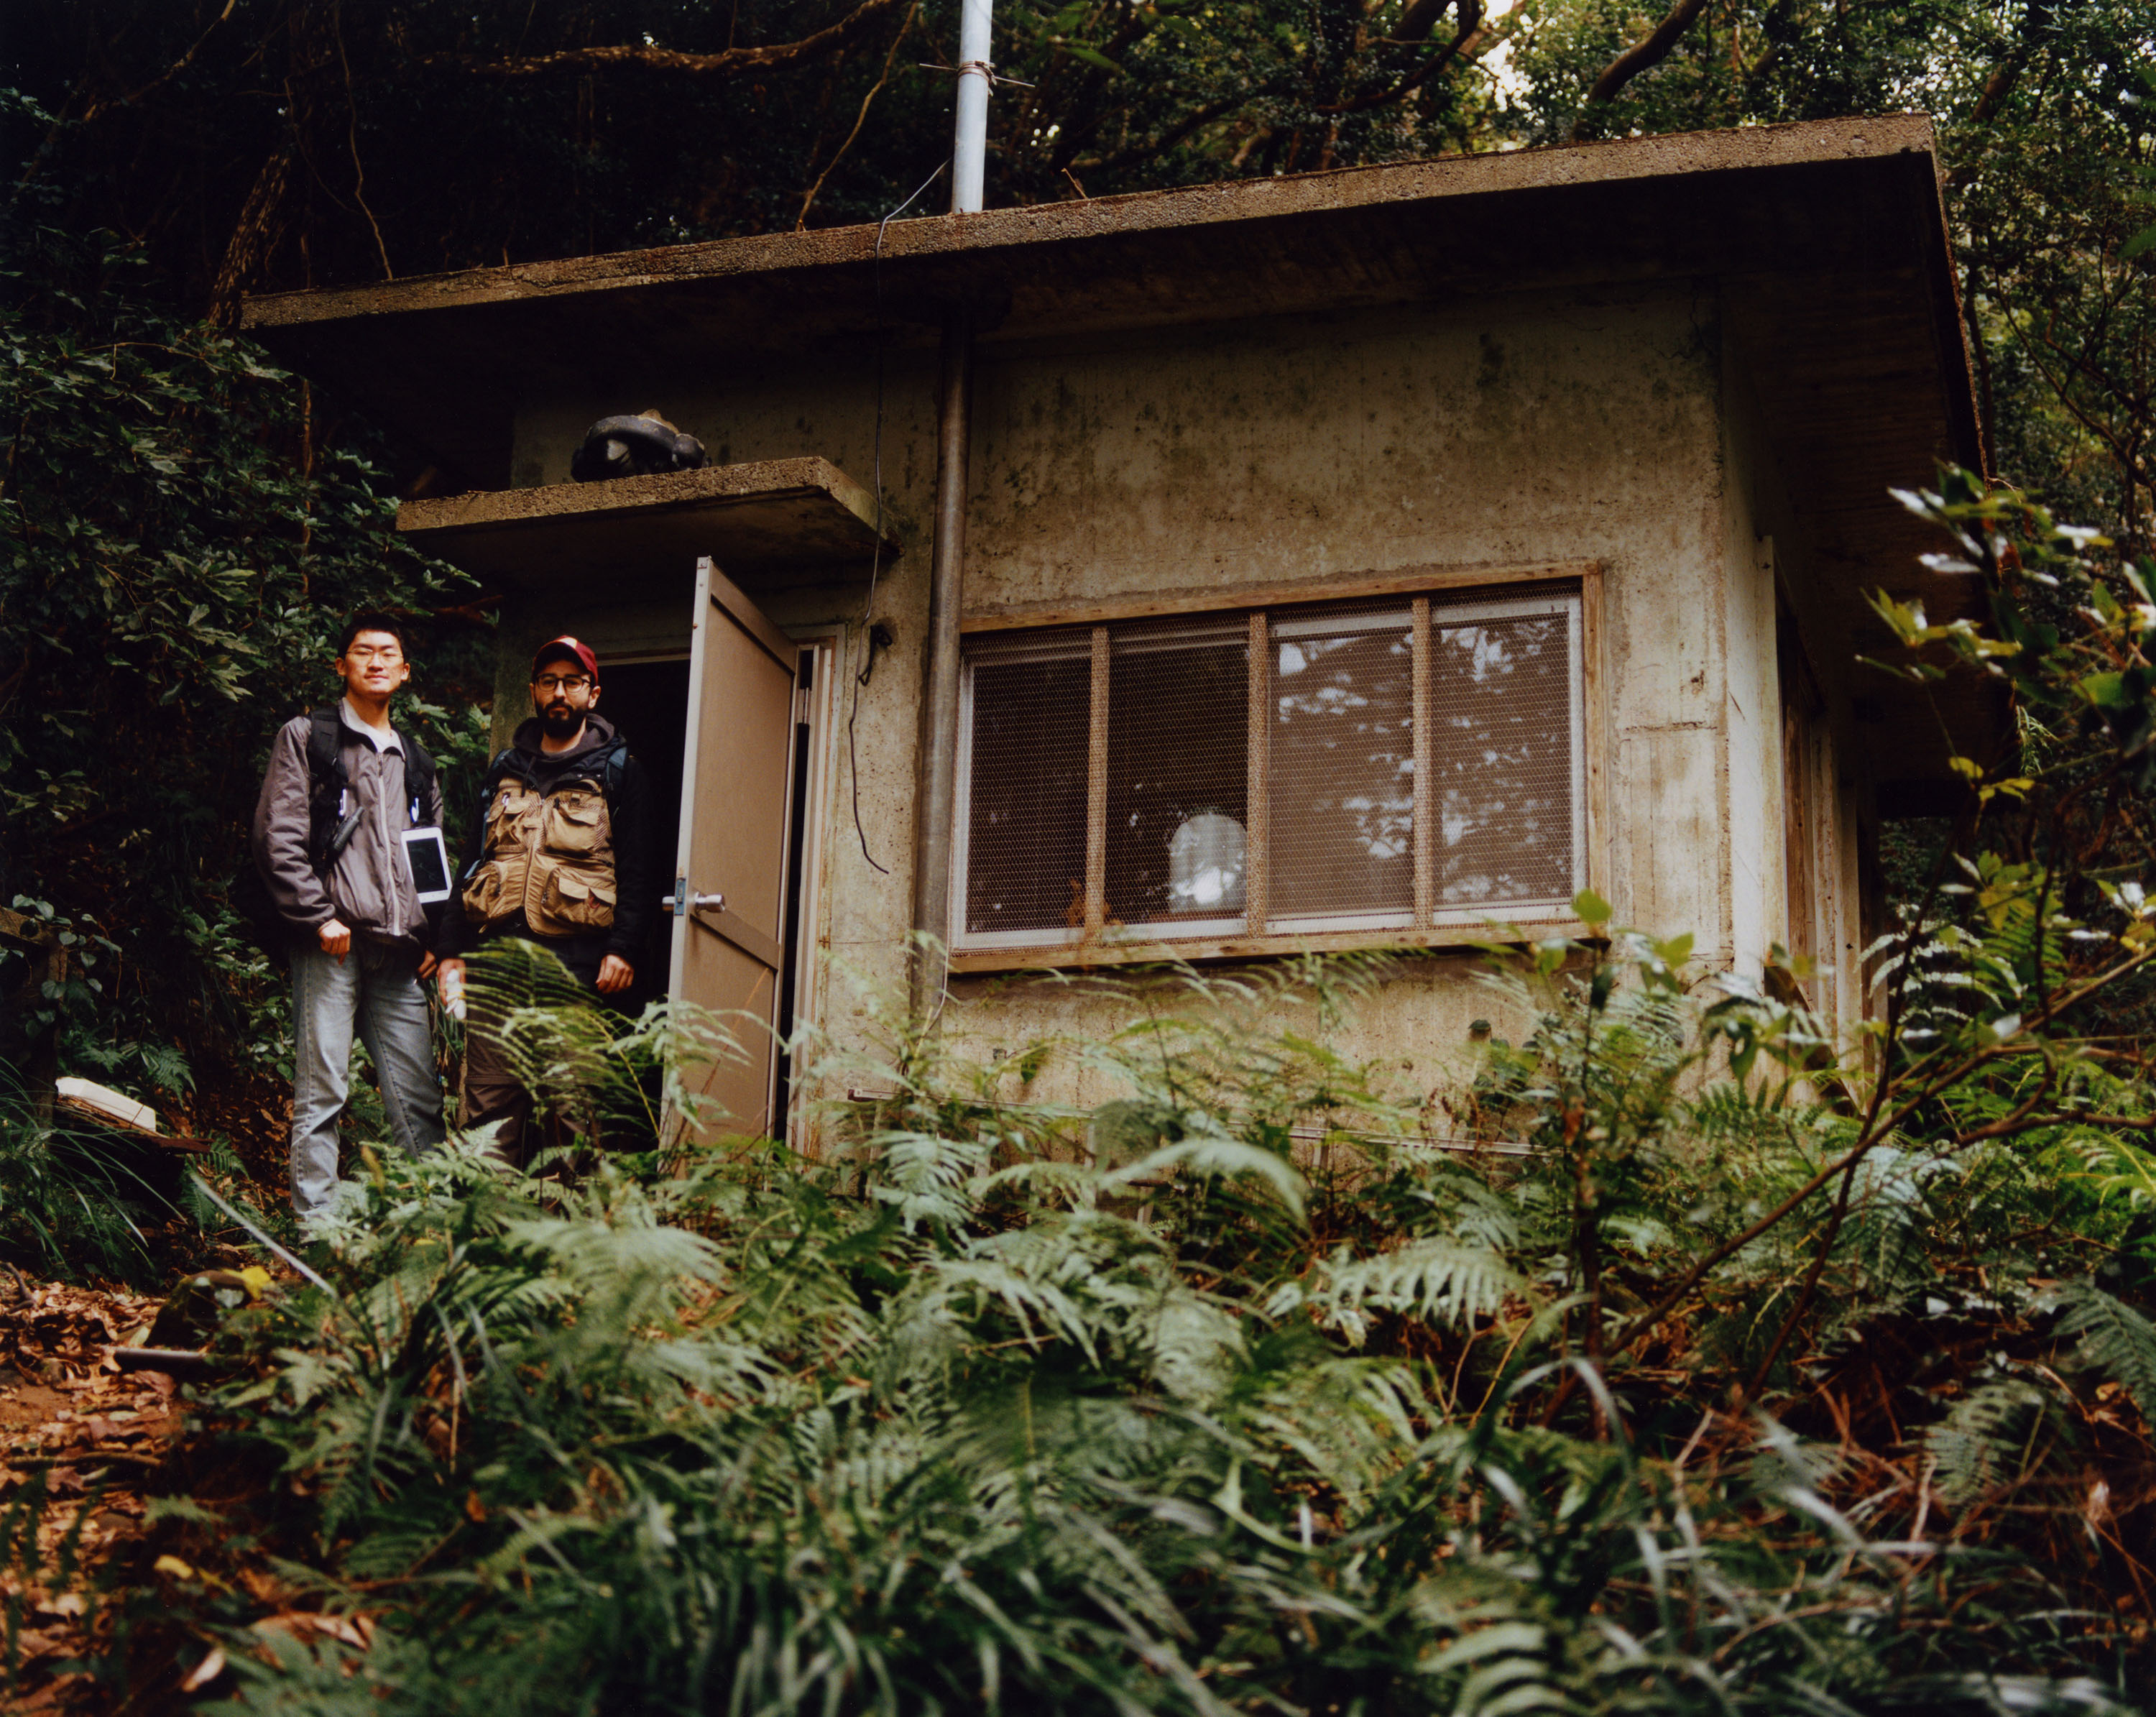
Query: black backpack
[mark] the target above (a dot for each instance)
(326, 833)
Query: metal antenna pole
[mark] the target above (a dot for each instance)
(937, 788)
(969, 148)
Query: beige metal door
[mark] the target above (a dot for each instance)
(730, 872)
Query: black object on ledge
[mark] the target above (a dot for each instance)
(640, 446)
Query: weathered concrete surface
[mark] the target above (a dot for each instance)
(1564, 426)
(1772, 582)
(786, 513)
(1238, 243)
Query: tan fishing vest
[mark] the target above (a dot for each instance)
(547, 854)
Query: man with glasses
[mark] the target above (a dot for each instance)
(560, 856)
(342, 787)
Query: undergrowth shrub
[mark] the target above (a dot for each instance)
(1232, 1394)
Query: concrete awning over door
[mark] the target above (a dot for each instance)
(773, 515)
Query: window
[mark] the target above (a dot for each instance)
(1373, 769)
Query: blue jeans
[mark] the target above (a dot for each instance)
(378, 988)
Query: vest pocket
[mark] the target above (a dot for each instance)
(513, 802)
(487, 897)
(575, 823)
(575, 903)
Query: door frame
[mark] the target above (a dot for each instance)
(817, 707)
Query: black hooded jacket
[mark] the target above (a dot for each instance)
(635, 866)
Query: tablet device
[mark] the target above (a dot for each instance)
(429, 860)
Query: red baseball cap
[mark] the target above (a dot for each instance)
(556, 648)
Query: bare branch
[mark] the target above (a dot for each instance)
(1643, 57)
(725, 64)
(1470, 21)
(165, 76)
(809, 202)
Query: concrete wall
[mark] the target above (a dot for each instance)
(1769, 584)
(1601, 427)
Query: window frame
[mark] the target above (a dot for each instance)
(1428, 924)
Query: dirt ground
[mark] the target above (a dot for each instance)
(95, 1433)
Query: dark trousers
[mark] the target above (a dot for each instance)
(491, 1089)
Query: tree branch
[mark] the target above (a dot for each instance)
(725, 64)
(1470, 21)
(1877, 1126)
(166, 76)
(1643, 57)
(254, 237)
(809, 202)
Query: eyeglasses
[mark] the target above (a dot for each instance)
(375, 652)
(562, 682)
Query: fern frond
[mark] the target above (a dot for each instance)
(1993, 1438)
(2115, 1340)
(1445, 1280)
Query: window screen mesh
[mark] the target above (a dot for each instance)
(1501, 757)
(1031, 702)
(1342, 712)
(1178, 743)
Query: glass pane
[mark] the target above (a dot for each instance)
(1342, 771)
(1501, 705)
(1025, 822)
(1178, 732)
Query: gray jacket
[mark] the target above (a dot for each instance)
(369, 888)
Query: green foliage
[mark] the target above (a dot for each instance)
(2115, 1340)
(1230, 1395)
(179, 548)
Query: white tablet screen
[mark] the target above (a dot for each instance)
(429, 860)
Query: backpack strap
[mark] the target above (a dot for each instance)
(495, 772)
(326, 780)
(609, 765)
(613, 764)
(418, 777)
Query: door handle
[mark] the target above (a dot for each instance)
(680, 902)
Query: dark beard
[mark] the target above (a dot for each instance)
(560, 721)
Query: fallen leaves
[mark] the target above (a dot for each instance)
(68, 1415)
(205, 1672)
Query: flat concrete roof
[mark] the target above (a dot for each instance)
(1826, 243)
(442, 357)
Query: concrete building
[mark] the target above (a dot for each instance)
(1343, 561)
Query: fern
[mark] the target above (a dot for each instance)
(1994, 1439)
(2115, 1340)
(1441, 1280)
(1147, 1405)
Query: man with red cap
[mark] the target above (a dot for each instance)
(560, 856)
